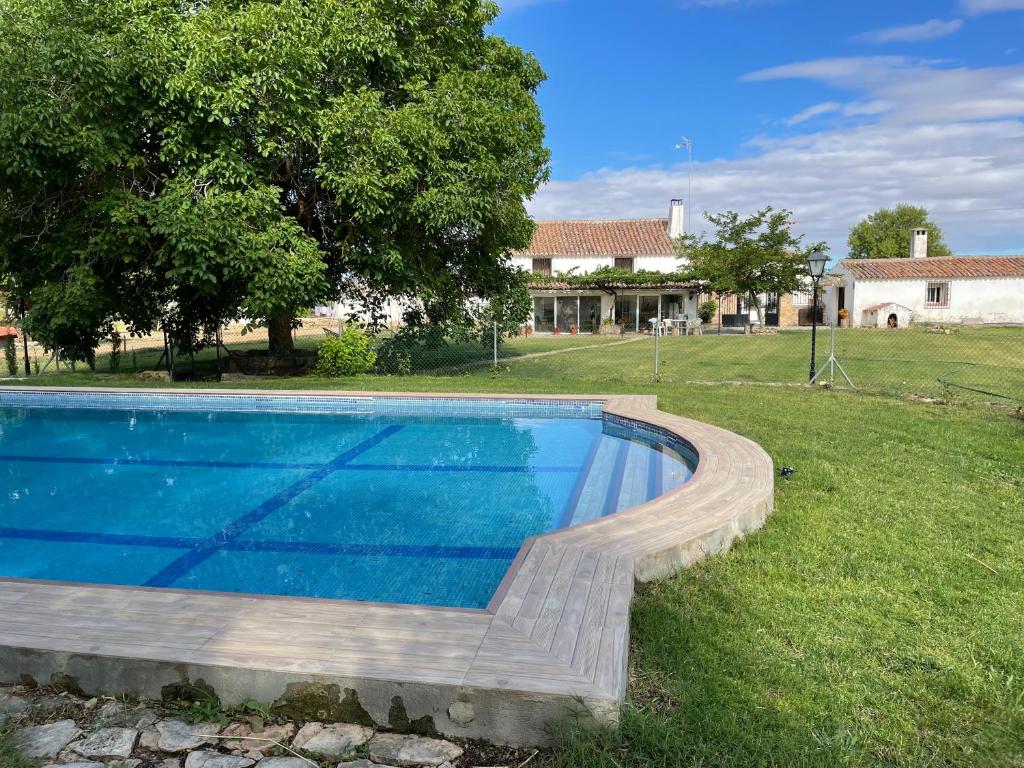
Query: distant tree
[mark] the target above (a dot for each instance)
(179, 163)
(885, 234)
(748, 256)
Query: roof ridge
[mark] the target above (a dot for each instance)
(900, 259)
(600, 221)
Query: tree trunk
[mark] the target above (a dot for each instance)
(279, 329)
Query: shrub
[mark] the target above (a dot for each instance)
(706, 311)
(10, 354)
(345, 355)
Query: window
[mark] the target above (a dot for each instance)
(938, 295)
(625, 264)
(801, 298)
(542, 267)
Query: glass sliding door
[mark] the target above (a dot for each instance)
(672, 307)
(648, 312)
(625, 312)
(568, 313)
(544, 314)
(590, 314)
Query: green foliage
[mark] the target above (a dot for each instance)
(885, 234)
(206, 710)
(10, 355)
(509, 309)
(177, 164)
(345, 355)
(610, 277)
(115, 352)
(706, 311)
(748, 256)
(10, 757)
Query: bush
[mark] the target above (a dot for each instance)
(706, 311)
(345, 355)
(10, 354)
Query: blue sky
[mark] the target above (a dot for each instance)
(829, 108)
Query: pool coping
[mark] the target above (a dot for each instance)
(552, 642)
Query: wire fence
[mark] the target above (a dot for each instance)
(961, 361)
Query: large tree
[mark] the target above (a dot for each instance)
(180, 163)
(885, 234)
(748, 256)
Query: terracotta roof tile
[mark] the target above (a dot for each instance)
(946, 267)
(629, 237)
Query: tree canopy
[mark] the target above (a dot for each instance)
(178, 164)
(748, 256)
(885, 234)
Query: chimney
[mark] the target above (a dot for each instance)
(676, 225)
(918, 243)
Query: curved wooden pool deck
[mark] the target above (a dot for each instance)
(553, 641)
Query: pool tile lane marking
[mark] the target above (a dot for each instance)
(175, 570)
(134, 462)
(244, 545)
(197, 464)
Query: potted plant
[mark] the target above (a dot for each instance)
(844, 314)
(574, 330)
(555, 331)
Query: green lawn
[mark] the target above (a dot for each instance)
(876, 620)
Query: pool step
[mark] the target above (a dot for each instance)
(621, 475)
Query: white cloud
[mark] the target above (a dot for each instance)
(978, 7)
(810, 113)
(912, 33)
(949, 139)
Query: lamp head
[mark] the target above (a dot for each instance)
(816, 263)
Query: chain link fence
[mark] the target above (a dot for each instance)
(957, 361)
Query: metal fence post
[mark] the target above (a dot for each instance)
(657, 349)
(495, 344)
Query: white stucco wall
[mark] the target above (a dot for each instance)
(587, 264)
(976, 300)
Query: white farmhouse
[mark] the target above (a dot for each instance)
(954, 289)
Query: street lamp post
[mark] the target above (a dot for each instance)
(816, 262)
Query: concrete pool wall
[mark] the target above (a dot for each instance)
(552, 643)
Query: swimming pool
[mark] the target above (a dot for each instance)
(398, 500)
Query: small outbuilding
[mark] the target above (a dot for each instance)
(885, 315)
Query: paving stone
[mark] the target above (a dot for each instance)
(177, 736)
(283, 762)
(112, 711)
(255, 741)
(361, 764)
(46, 740)
(170, 762)
(216, 760)
(334, 740)
(408, 751)
(108, 743)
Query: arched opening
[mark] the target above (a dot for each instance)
(893, 321)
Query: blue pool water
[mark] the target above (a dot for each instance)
(391, 500)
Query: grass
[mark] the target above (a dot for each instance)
(9, 755)
(876, 620)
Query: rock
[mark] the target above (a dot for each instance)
(176, 736)
(111, 710)
(282, 762)
(405, 750)
(334, 740)
(361, 764)
(216, 760)
(150, 739)
(112, 743)
(251, 741)
(12, 707)
(143, 718)
(170, 762)
(46, 740)
(154, 376)
(90, 705)
(461, 713)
